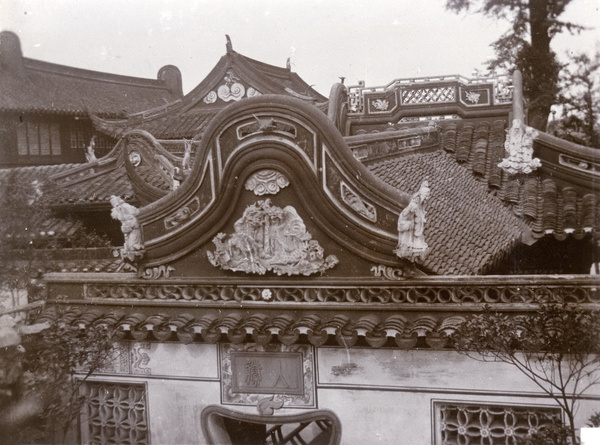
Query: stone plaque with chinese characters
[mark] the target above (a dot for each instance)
(253, 374)
(267, 373)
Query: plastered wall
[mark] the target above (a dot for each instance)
(381, 396)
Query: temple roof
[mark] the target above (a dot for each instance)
(477, 213)
(462, 169)
(560, 198)
(233, 78)
(36, 86)
(468, 230)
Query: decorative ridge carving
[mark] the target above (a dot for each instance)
(266, 181)
(297, 140)
(409, 292)
(519, 147)
(230, 90)
(268, 238)
(356, 203)
(395, 273)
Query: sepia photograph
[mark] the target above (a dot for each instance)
(300, 222)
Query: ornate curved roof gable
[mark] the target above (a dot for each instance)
(234, 77)
(279, 159)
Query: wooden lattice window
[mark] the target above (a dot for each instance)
(465, 424)
(38, 137)
(114, 413)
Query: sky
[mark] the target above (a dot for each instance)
(372, 40)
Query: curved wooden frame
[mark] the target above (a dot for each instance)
(214, 432)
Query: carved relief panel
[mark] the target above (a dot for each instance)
(269, 238)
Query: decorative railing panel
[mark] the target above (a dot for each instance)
(428, 95)
(426, 91)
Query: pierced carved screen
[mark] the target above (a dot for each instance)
(114, 413)
(465, 424)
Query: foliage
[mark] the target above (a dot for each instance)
(550, 434)
(526, 46)
(555, 346)
(56, 364)
(594, 420)
(45, 373)
(580, 100)
(26, 243)
(22, 210)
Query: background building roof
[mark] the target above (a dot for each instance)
(37, 86)
(234, 77)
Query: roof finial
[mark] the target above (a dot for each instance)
(228, 45)
(288, 63)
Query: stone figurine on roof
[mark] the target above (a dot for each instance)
(132, 249)
(411, 224)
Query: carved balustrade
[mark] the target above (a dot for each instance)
(454, 89)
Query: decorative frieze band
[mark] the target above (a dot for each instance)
(403, 293)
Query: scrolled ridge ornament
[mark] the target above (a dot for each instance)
(269, 238)
(519, 147)
(411, 224)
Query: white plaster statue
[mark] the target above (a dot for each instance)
(186, 163)
(133, 247)
(519, 147)
(411, 223)
(176, 178)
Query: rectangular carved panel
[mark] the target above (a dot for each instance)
(267, 373)
(252, 374)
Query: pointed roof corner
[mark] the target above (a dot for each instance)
(228, 45)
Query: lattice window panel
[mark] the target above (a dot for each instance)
(38, 137)
(466, 424)
(428, 95)
(114, 413)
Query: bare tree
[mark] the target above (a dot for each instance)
(555, 346)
